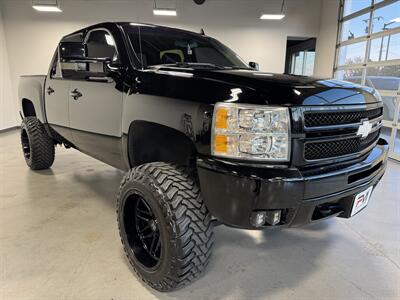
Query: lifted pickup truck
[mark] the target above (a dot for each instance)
(204, 138)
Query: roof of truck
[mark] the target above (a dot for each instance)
(108, 24)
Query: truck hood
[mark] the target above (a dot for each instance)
(256, 87)
(289, 90)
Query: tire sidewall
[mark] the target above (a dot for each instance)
(149, 192)
(25, 128)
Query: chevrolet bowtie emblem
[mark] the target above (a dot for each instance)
(364, 129)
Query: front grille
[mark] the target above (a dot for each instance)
(313, 119)
(335, 148)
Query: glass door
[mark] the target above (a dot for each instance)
(368, 53)
(394, 151)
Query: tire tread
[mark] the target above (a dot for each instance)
(41, 145)
(186, 213)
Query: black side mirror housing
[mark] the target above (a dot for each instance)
(254, 65)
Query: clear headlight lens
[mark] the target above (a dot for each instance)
(251, 132)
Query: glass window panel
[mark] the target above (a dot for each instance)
(352, 54)
(298, 63)
(387, 17)
(396, 148)
(309, 67)
(389, 106)
(355, 27)
(385, 48)
(386, 132)
(352, 75)
(351, 6)
(386, 72)
(387, 80)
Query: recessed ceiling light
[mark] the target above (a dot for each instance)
(47, 8)
(164, 12)
(272, 17)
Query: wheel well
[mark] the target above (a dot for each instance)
(151, 142)
(28, 108)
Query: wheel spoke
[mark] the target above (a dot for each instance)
(142, 218)
(152, 243)
(141, 230)
(158, 245)
(145, 204)
(147, 230)
(148, 235)
(144, 212)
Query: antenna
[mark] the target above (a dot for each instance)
(202, 31)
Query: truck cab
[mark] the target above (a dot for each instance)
(204, 137)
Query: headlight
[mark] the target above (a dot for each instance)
(252, 132)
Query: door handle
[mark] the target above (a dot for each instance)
(75, 94)
(50, 90)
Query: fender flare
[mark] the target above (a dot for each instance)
(152, 142)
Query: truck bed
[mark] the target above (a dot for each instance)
(31, 87)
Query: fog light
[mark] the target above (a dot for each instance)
(258, 218)
(273, 217)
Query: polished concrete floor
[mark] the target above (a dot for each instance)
(59, 240)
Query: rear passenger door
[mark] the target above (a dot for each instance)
(56, 100)
(95, 102)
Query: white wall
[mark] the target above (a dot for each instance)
(32, 36)
(326, 42)
(8, 107)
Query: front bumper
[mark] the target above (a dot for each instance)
(233, 192)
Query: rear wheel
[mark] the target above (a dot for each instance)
(37, 146)
(165, 228)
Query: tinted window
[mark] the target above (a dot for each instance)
(70, 50)
(99, 44)
(163, 46)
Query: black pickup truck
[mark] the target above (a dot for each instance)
(204, 138)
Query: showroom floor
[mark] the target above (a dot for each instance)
(59, 240)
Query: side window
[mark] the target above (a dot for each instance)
(75, 55)
(70, 69)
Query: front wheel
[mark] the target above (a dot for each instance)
(165, 228)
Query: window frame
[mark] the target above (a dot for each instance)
(55, 63)
(365, 38)
(365, 65)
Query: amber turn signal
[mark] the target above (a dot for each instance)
(221, 118)
(220, 143)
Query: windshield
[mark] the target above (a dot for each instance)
(160, 46)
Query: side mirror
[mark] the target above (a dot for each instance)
(254, 65)
(71, 50)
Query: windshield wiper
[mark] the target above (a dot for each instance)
(193, 65)
(239, 68)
